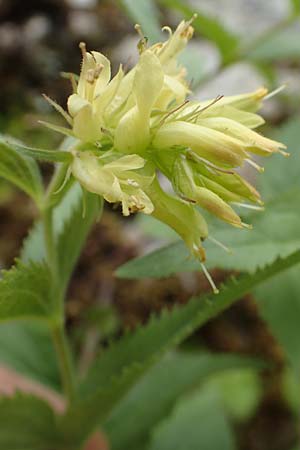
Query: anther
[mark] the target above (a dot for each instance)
(82, 47)
(132, 182)
(90, 76)
(98, 69)
(139, 30)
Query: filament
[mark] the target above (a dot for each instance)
(253, 164)
(275, 92)
(246, 205)
(209, 279)
(219, 244)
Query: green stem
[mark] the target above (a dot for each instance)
(50, 243)
(65, 361)
(59, 337)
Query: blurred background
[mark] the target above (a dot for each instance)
(239, 45)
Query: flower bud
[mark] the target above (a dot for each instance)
(180, 216)
(210, 144)
(132, 134)
(185, 184)
(254, 142)
(232, 182)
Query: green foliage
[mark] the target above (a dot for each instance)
(282, 46)
(20, 170)
(73, 218)
(146, 14)
(197, 419)
(27, 347)
(28, 423)
(159, 390)
(33, 246)
(282, 174)
(295, 5)
(121, 367)
(280, 307)
(25, 292)
(240, 390)
(74, 233)
(209, 27)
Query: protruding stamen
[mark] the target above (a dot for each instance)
(275, 92)
(219, 244)
(283, 153)
(209, 279)
(204, 161)
(204, 108)
(194, 17)
(253, 164)
(98, 69)
(72, 77)
(247, 225)
(90, 76)
(168, 29)
(139, 30)
(132, 182)
(246, 205)
(82, 46)
(169, 113)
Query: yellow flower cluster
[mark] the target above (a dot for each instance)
(131, 127)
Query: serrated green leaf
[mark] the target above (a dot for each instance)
(27, 348)
(209, 27)
(121, 367)
(28, 423)
(25, 292)
(160, 390)
(198, 421)
(146, 14)
(20, 170)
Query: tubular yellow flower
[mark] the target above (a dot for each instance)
(116, 181)
(181, 216)
(131, 127)
(205, 142)
(133, 131)
(185, 184)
